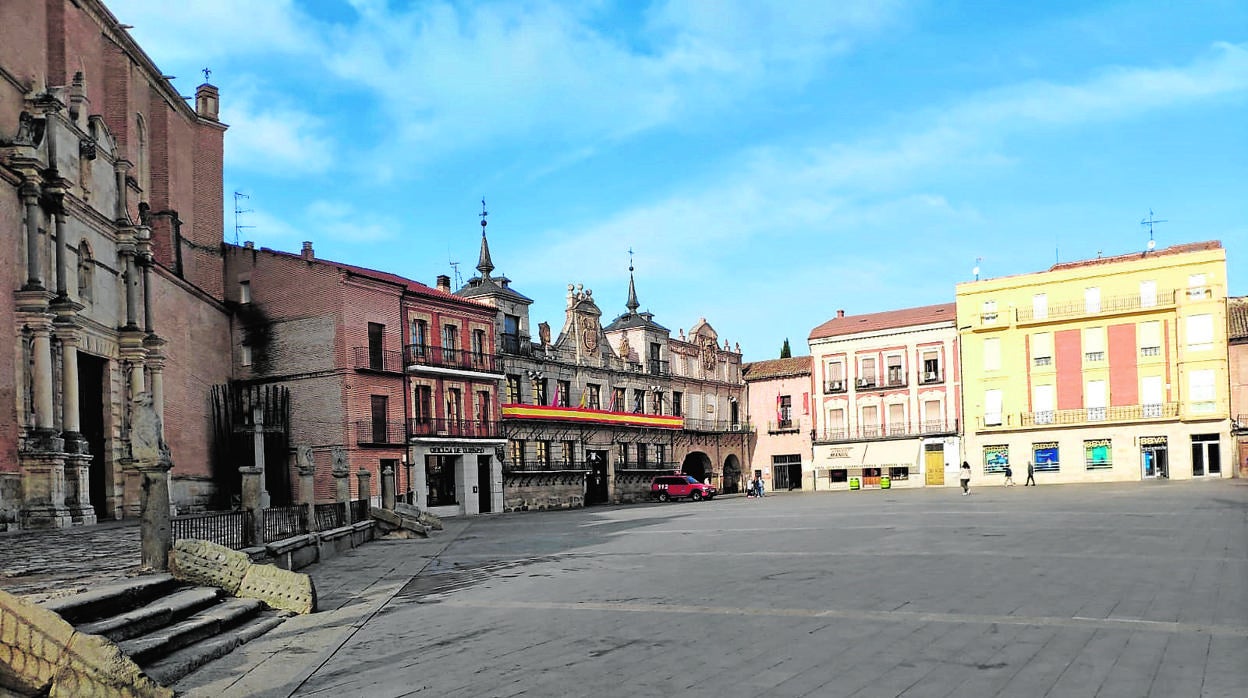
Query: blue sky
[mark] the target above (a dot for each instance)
(769, 163)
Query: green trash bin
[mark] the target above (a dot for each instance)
(853, 483)
(885, 483)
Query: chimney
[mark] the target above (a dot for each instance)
(840, 313)
(444, 283)
(307, 251)
(249, 245)
(207, 101)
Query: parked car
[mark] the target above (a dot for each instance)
(668, 487)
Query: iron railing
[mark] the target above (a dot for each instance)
(231, 529)
(468, 428)
(373, 359)
(716, 425)
(1114, 304)
(458, 359)
(360, 509)
(659, 368)
(836, 385)
(896, 379)
(379, 433)
(330, 516)
(866, 432)
(783, 426)
(284, 522)
(516, 344)
(1086, 415)
(930, 377)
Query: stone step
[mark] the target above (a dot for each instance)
(111, 599)
(202, 625)
(157, 614)
(169, 669)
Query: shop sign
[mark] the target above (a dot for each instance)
(448, 450)
(838, 453)
(1153, 443)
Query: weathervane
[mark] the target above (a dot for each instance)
(207, 74)
(482, 215)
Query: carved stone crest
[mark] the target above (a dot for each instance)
(708, 353)
(589, 334)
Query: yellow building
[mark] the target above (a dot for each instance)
(1105, 369)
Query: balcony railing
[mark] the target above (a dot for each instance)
(1115, 304)
(866, 432)
(537, 465)
(783, 426)
(896, 379)
(1088, 415)
(834, 386)
(457, 359)
(930, 377)
(516, 344)
(865, 384)
(373, 359)
(370, 433)
(716, 425)
(467, 428)
(658, 368)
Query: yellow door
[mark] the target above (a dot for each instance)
(934, 464)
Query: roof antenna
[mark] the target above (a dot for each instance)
(238, 196)
(975, 271)
(1150, 222)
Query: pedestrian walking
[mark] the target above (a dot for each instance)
(1031, 475)
(965, 477)
(1009, 477)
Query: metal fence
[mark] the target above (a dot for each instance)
(359, 509)
(229, 528)
(284, 522)
(330, 516)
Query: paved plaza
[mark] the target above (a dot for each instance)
(1093, 590)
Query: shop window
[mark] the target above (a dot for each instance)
(996, 458)
(896, 473)
(1098, 454)
(1044, 456)
(838, 475)
(440, 476)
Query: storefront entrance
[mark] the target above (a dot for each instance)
(1153, 457)
(596, 490)
(1206, 455)
(786, 472)
(440, 480)
(485, 485)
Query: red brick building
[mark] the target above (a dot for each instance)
(383, 373)
(110, 200)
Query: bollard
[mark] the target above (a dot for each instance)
(387, 488)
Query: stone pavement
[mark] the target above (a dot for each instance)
(1092, 590)
(39, 565)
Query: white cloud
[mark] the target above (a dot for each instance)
(201, 30)
(340, 221)
(274, 139)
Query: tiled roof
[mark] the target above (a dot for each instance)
(1173, 249)
(851, 324)
(776, 368)
(412, 286)
(1237, 319)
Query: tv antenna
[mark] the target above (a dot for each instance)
(975, 271)
(459, 280)
(1150, 222)
(238, 226)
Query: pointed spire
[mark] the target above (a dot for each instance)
(484, 265)
(632, 303)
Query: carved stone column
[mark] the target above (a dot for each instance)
(387, 488)
(364, 485)
(257, 444)
(34, 267)
(77, 457)
(155, 361)
(252, 486)
(149, 458)
(134, 358)
(305, 466)
(342, 475)
(122, 214)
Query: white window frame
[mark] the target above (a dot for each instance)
(1094, 344)
(1152, 396)
(1095, 400)
(1150, 338)
(988, 312)
(1040, 306)
(992, 407)
(1092, 299)
(1042, 400)
(1197, 287)
(1199, 331)
(1202, 391)
(1148, 294)
(1042, 349)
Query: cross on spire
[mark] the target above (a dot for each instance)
(207, 74)
(632, 303)
(485, 265)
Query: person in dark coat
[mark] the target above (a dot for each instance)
(1031, 474)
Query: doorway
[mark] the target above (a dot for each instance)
(596, 490)
(1153, 457)
(696, 464)
(1206, 455)
(485, 485)
(91, 372)
(934, 464)
(786, 472)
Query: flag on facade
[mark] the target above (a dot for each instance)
(555, 400)
(778, 411)
(611, 407)
(584, 397)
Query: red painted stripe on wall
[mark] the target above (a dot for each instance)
(1124, 380)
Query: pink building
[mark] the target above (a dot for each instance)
(779, 406)
(889, 400)
(1237, 353)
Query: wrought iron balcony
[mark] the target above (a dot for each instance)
(716, 425)
(1106, 306)
(896, 379)
(516, 344)
(374, 359)
(783, 426)
(462, 428)
(416, 355)
(869, 432)
(1091, 415)
(378, 433)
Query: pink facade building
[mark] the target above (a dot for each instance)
(889, 402)
(780, 407)
(384, 374)
(1237, 354)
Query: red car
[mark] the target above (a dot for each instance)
(669, 487)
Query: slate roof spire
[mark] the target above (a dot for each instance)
(632, 303)
(485, 265)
